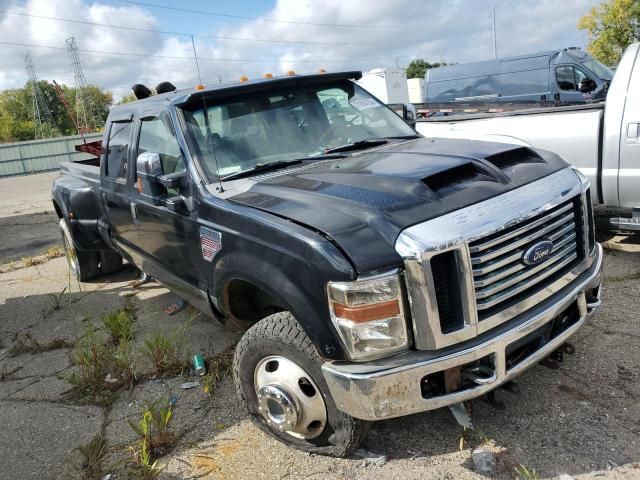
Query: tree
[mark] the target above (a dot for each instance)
(418, 67)
(127, 99)
(612, 26)
(16, 110)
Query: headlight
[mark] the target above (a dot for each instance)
(369, 315)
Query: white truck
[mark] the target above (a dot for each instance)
(602, 139)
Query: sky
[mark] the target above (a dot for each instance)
(272, 36)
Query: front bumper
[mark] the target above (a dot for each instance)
(392, 387)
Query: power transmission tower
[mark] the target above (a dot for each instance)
(85, 109)
(42, 117)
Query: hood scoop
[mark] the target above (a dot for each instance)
(516, 156)
(458, 177)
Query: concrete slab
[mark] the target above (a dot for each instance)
(36, 439)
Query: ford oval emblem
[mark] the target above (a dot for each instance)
(537, 253)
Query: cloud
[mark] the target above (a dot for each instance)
(453, 30)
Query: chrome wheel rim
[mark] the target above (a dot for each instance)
(69, 251)
(288, 398)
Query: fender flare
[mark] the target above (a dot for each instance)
(307, 308)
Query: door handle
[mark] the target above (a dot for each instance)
(633, 132)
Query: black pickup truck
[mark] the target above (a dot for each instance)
(377, 273)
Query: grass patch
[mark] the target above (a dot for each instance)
(27, 344)
(525, 473)
(7, 267)
(119, 324)
(30, 261)
(101, 369)
(165, 351)
(155, 440)
(92, 454)
(219, 367)
(54, 251)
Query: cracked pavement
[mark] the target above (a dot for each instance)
(582, 420)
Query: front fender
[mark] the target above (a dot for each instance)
(304, 299)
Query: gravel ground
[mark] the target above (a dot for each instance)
(581, 420)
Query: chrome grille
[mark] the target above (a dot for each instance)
(499, 275)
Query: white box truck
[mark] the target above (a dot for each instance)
(388, 84)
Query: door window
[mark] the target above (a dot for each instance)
(118, 149)
(158, 136)
(564, 77)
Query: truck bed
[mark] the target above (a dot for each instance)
(461, 116)
(88, 170)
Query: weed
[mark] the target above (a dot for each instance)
(56, 302)
(525, 473)
(220, 366)
(92, 457)
(164, 351)
(153, 428)
(29, 261)
(7, 267)
(27, 344)
(156, 440)
(123, 364)
(92, 359)
(54, 251)
(143, 467)
(119, 324)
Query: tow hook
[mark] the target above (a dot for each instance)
(480, 374)
(554, 360)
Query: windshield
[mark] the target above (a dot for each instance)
(251, 129)
(599, 69)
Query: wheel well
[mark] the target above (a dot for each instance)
(249, 303)
(57, 209)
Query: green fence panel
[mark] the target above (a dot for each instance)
(36, 156)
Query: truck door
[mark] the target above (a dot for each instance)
(116, 179)
(629, 172)
(167, 241)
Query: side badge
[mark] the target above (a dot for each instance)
(210, 243)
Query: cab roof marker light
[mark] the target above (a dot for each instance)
(244, 78)
(291, 73)
(268, 75)
(199, 87)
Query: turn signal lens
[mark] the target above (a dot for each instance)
(369, 315)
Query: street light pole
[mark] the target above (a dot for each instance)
(495, 43)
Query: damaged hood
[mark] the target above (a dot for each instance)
(365, 200)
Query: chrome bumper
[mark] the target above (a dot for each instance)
(391, 387)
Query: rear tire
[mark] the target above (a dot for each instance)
(290, 409)
(82, 265)
(110, 262)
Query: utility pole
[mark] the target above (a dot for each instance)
(42, 117)
(85, 109)
(493, 23)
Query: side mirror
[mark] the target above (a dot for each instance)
(586, 86)
(149, 164)
(148, 169)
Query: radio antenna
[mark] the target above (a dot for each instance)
(206, 116)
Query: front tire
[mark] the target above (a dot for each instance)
(82, 265)
(278, 377)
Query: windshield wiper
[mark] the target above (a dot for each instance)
(263, 167)
(360, 144)
(277, 164)
(405, 137)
